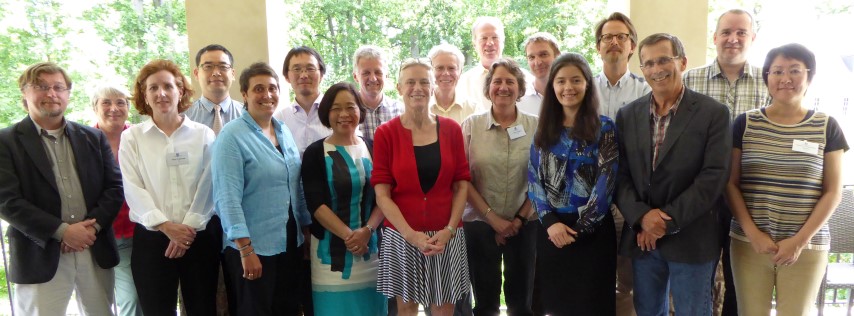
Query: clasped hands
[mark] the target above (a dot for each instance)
(653, 227)
(357, 241)
(429, 246)
(78, 236)
(783, 253)
(180, 238)
(504, 229)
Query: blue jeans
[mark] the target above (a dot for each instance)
(126, 299)
(689, 284)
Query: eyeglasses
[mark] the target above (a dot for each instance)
(662, 61)
(607, 38)
(220, 67)
(44, 88)
(794, 72)
(300, 70)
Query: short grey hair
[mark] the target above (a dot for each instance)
(446, 48)
(481, 20)
(108, 90)
(542, 37)
(369, 52)
(737, 11)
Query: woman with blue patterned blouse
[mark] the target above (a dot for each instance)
(336, 174)
(571, 178)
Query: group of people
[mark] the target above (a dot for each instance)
(558, 182)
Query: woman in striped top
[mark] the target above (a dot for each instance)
(784, 184)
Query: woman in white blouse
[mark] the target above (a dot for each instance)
(165, 164)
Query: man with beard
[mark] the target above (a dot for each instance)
(541, 49)
(731, 80)
(616, 40)
(60, 189)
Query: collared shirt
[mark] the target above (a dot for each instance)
(629, 87)
(304, 126)
(202, 111)
(167, 177)
(471, 83)
(530, 103)
(64, 166)
(498, 160)
(746, 93)
(387, 110)
(256, 185)
(459, 110)
(660, 123)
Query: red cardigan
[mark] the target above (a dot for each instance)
(394, 164)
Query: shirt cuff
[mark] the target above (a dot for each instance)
(195, 221)
(152, 219)
(60, 231)
(97, 228)
(237, 231)
(549, 219)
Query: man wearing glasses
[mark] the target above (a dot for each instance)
(215, 73)
(731, 80)
(304, 69)
(674, 163)
(616, 40)
(60, 189)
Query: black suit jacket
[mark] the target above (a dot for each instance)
(689, 178)
(30, 201)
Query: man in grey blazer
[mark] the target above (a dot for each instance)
(60, 189)
(674, 163)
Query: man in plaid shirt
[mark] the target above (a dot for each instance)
(730, 80)
(370, 68)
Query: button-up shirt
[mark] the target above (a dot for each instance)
(257, 185)
(660, 123)
(748, 92)
(458, 111)
(628, 88)
(387, 110)
(167, 177)
(304, 126)
(202, 111)
(64, 166)
(498, 163)
(530, 103)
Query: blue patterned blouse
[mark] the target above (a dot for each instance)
(575, 177)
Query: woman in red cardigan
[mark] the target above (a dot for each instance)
(420, 176)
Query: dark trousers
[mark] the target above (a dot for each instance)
(578, 279)
(730, 304)
(157, 277)
(275, 293)
(214, 228)
(485, 261)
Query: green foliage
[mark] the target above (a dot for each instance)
(336, 28)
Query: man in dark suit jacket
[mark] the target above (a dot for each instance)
(60, 189)
(674, 163)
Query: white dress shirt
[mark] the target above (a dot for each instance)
(304, 126)
(630, 87)
(168, 178)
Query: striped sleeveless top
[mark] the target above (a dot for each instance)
(781, 186)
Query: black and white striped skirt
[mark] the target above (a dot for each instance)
(404, 271)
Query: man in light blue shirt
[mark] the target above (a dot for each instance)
(215, 73)
(616, 41)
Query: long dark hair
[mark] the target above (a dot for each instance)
(587, 123)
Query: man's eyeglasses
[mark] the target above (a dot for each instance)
(661, 61)
(220, 67)
(607, 38)
(45, 88)
(300, 70)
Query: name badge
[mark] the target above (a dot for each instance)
(177, 159)
(805, 146)
(516, 131)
